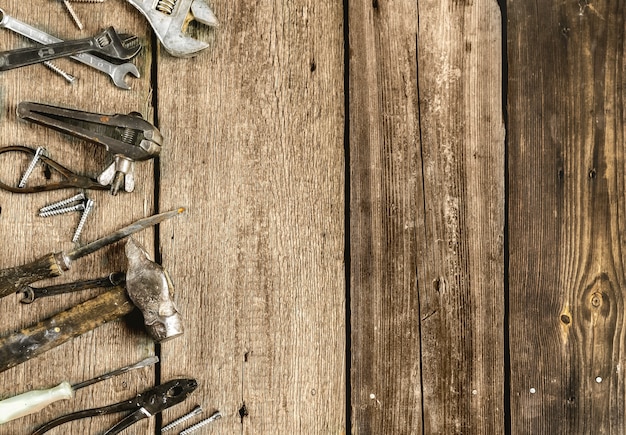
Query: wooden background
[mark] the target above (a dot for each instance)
(403, 216)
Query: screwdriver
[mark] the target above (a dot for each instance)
(34, 401)
(12, 279)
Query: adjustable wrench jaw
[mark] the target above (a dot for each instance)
(170, 19)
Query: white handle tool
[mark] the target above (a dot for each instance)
(33, 401)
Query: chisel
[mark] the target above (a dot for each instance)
(12, 279)
(34, 401)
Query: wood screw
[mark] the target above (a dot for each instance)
(83, 219)
(197, 410)
(31, 167)
(216, 415)
(54, 68)
(73, 14)
(64, 210)
(78, 197)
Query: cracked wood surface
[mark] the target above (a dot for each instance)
(427, 217)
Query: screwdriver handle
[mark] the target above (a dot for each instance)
(13, 279)
(33, 401)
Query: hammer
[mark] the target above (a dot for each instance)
(148, 287)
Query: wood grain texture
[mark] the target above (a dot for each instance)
(255, 151)
(427, 201)
(25, 236)
(385, 194)
(566, 67)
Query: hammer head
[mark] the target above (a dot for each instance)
(149, 287)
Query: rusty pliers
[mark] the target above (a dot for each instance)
(144, 405)
(127, 138)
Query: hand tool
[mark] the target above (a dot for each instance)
(170, 18)
(34, 401)
(69, 179)
(52, 265)
(127, 138)
(30, 294)
(107, 43)
(116, 72)
(143, 276)
(144, 405)
(113, 304)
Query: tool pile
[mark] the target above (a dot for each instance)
(126, 138)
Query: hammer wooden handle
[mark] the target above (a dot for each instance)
(47, 334)
(14, 278)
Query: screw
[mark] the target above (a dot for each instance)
(197, 410)
(58, 211)
(216, 415)
(67, 76)
(73, 14)
(78, 197)
(31, 167)
(83, 219)
(87, 1)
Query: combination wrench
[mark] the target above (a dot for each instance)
(116, 72)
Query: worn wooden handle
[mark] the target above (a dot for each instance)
(50, 333)
(14, 278)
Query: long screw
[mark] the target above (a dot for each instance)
(78, 197)
(64, 210)
(73, 14)
(197, 410)
(31, 167)
(216, 415)
(83, 219)
(54, 68)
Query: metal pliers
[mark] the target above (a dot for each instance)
(69, 179)
(144, 405)
(127, 138)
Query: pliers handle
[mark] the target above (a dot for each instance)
(144, 405)
(69, 178)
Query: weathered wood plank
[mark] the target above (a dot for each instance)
(426, 217)
(255, 149)
(25, 236)
(566, 65)
(461, 272)
(384, 197)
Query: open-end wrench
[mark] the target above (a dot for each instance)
(170, 18)
(116, 72)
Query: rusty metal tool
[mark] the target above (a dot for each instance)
(117, 72)
(169, 20)
(34, 401)
(68, 179)
(127, 138)
(30, 293)
(108, 43)
(148, 285)
(144, 405)
(12, 279)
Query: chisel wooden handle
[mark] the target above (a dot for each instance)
(47, 334)
(14, 278)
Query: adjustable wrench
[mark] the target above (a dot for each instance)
(116, 72)
(170, 18)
